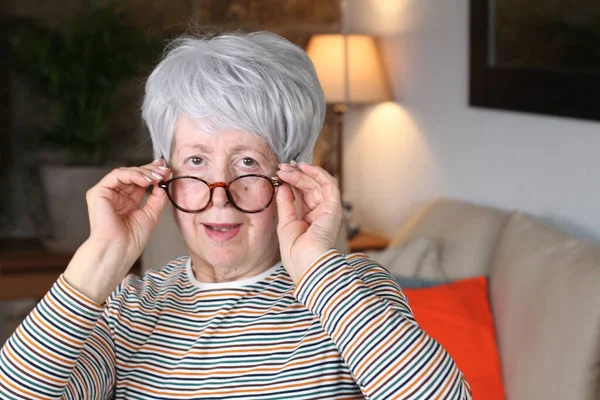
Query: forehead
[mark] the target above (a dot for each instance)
(190, 137)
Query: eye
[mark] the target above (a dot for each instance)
(196, 161)
(248, 162)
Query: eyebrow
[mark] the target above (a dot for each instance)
(236, 149)
(242, 147)
(201, 147)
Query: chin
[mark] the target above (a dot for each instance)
(223, 256)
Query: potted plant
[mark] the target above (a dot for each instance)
(78, 68)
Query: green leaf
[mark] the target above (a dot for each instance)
(78, 68)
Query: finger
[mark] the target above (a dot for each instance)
(303, 182)
(329, 185)
(156, 172)
(312, 197)
(296, 173)
(301, 207)
(285, 206)
(317, 173)
(155, 203)
(308, 218)
(125, 179)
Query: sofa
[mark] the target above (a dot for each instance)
(544, 292)
(544, 289)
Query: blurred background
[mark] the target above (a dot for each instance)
(73, 75)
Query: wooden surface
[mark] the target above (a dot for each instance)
(365, 241)
(28, 270)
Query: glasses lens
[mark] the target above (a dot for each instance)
(251, 193)
(190, 194)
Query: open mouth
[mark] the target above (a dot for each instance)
(222, 232)
(222, 227)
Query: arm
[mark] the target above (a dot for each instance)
(369, 319)
(62, 350)
(365, 314)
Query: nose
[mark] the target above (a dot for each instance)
(221, 175)
(219, 196)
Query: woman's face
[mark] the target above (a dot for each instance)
(221, 236)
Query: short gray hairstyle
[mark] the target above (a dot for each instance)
(255, 82)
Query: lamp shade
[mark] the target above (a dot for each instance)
(349, 68)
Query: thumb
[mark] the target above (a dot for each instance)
(286, 209)
(155, 203)
(289, 227)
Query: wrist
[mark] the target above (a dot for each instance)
(96, 269)
(308, 261)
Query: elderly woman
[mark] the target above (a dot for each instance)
(263, 307)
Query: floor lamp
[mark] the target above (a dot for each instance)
(350, 71)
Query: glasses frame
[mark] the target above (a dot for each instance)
(274, 181)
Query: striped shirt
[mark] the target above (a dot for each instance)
(345, 331)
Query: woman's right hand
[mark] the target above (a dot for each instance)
(119, 228)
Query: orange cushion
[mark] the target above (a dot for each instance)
(459, 317)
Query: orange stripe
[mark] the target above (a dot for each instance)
(68, 288)
(77, 377)
(18, 389)
(105, 350)
(29, 341)
(398, 362)
(232, 313)
(360, 308)
(383, 346)
(237, 391)
(454, 372)
(56, 333)
(92, 372)
(334, 301)
(71, 316)
(208, 352)
(325, 282)
(350, 350)
(309, 270)
(353, 256)
(16, 359)
(194, 334)
(226, 373)
(415, 381)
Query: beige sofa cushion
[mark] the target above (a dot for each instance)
(545, 290)
(467, 234)
(417, 259)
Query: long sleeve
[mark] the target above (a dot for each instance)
(62, 350)
(368, 317)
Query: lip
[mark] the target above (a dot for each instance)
(218, 236)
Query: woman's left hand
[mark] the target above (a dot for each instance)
(311, 229)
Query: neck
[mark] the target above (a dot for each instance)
(207, 273)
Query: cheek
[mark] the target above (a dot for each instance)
(185, 221)
(264, 223)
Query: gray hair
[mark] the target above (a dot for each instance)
(257, 82)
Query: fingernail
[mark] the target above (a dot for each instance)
(293, 162)
(289, 169)
(163, 168)
(146, 178)
(157, 176)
